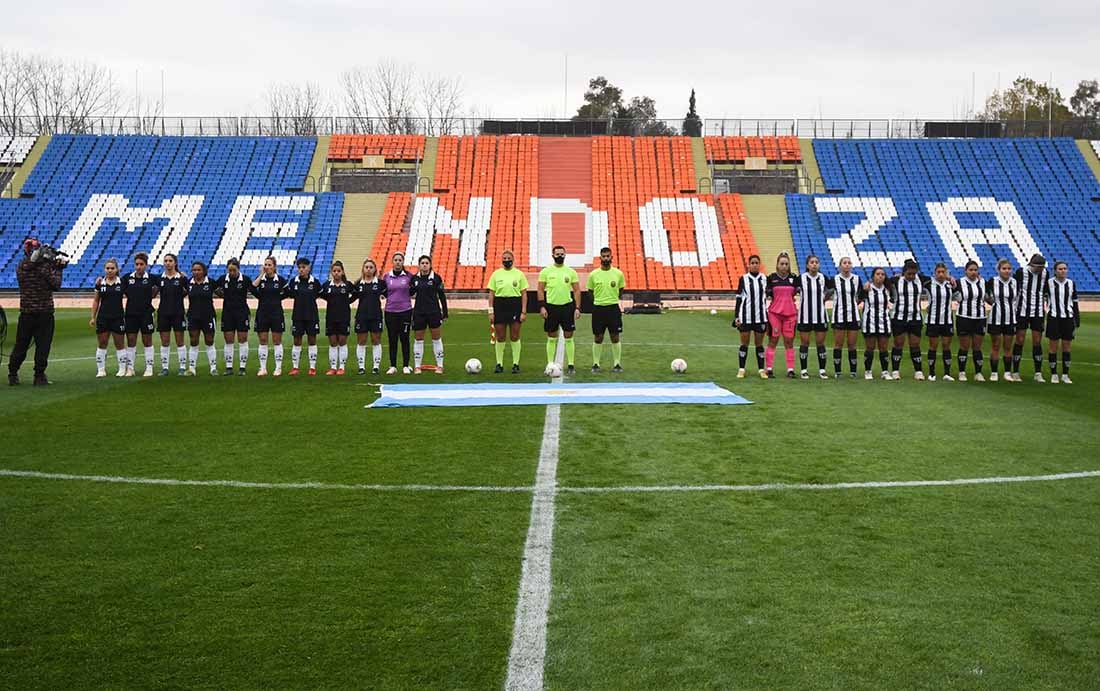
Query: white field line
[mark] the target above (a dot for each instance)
(528, 652)
(633, 489)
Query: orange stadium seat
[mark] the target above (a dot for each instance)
(393, 147)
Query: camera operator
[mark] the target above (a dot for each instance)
(39, 275)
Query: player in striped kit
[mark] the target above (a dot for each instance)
(1001, 294)
(750, 315)
(1030, 308)
(941, 325)
(1063, 320)
(905, 319)
(876, 324)
(846, 298)
(970, 320)
(812, 316)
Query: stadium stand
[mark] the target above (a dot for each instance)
(203, 198)
(393, 147)
(1096, 147)
(14, 150)
(951, 201)
(737, 149)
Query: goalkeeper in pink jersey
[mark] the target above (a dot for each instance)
(782, 313)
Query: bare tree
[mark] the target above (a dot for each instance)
(296, 109)
(13, 91)
(441, 103)
(355, 86)
(68, 96)
(392, 96)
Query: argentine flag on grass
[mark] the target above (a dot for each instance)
(457, 395)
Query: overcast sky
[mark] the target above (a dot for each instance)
(794, 58)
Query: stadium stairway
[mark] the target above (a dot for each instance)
(767, 216)
(427, 164)
(1090, 156)
(809, 161)
(359, 225)
(318, 165)
(702, 167)
(24, 170)
(565, 169)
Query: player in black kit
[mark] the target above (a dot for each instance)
(304, 321)
(429, 312)
(368, 317)
(140, 288)
(171, 317)
(108, 319)
(338, 294)
(233, 288)
(201, 318)
(269, 288)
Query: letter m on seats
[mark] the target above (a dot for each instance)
(179, 212)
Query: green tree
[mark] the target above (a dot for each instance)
(1026, 99)
(1085, 102)
(693, 124)
(602, 101)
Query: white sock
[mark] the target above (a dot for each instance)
(242, 354)
(313, 357)
(295, 356)
(437, 349)
(120, 355)
(212, 357)
(278, 357)
(263, 357)
(181, 356)
(333, 356)
(344, 356)
(148, 356)
(228, 351)
(165, 356)
(361, 355)
(418, 353)
(376, 354)
(100, 359)
(130, 357)
(192, 356)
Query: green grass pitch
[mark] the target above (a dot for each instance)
(165, 586)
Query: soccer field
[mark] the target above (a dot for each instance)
(682, 555)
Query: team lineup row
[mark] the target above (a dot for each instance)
(399, 302)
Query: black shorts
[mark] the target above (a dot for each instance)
(337, 328)
(817, 328)
(1002, 329)
(426, 321)
(970, 327)
(560, 316)
(235, 321)
(1033, 323)
(139, 322)
(207, 325)
(606, 318)
(760, 328)
(1061, 328)
(365, 325)
(940, 330)
(398, 322)
(171, 322)
(274, 322)
(305, 327)
(846, 326)
(114, 325)
(900, 327)
(506, 310)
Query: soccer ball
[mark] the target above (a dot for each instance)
(713, 312)
(473, 366)
(553, 370)
(679, 365)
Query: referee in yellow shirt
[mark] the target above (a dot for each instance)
(606, 284)
(559, 294)
(507, 288)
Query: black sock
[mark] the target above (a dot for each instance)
(884, 359)
(895, 358)
(1008, 364)
(947, 363)
(931, 362)
(1053, 357)
(1017, 355)
(836, 360)
(1065, 362)
(760, 357)
(853, 358)
(868, 358)
(914, 357)
(964, 355)
(803, 355)
(821, 358)
(1037, 358)
(994, 364)
(742, 356)
(979, 361)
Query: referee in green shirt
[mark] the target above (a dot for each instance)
(559, 295)
(606, 284)
(507, 288)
